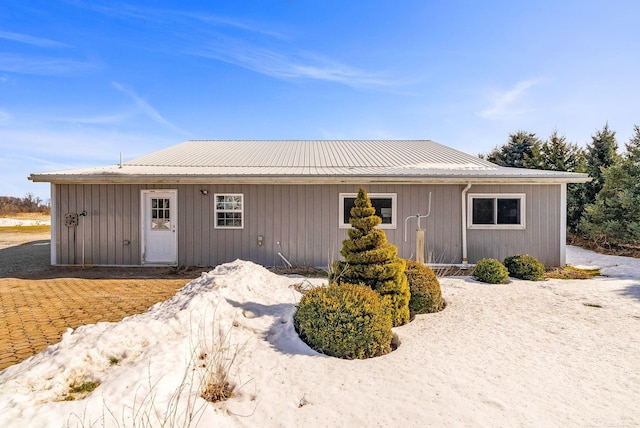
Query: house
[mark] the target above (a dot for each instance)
(203, 203)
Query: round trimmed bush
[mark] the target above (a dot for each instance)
(491, 271)
(345, 321)
(524, 266)
(426, 295)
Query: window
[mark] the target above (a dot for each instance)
(384, 203)
(160, 214)
(229, 211)
(496, 211)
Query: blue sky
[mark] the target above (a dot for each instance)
(82, 81)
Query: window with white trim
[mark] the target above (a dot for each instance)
(384, 203)
(496, 211)
(229, 210)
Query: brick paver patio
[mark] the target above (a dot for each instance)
(34, 313)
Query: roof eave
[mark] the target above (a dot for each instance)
(297, 179)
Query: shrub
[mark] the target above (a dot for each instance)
(491, 271)
(345, 321)
(524, 266)
(371, 260)
(426, 296)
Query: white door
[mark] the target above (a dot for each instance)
(159, 236)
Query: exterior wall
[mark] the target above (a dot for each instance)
(113, 218)
(542, 236)
(303, 218)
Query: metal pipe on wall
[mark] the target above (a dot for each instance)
(464, 223)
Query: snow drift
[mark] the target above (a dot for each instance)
(546, 353)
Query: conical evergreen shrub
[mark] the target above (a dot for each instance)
(371, 260)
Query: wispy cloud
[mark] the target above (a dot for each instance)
(101, 119)
(30, 40)
(56, 146)
(71, 147)
(145, 108)
(139, 107)
(119, 10)
(13, 63)
(505, 103)
(220, 21)
(269, 51)
(178, 17)
(288, 65)
(4, 117)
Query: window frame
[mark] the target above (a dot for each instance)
(217, 210)
(394, 209)
(495, 197)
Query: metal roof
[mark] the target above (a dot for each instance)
(310, 154)
(298, 161)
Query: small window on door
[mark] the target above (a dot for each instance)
(229, 211)
(160, 214)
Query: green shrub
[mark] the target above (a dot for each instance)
(371, 260)
(344, 321)
(524, 266)
(491, 271)
(426, 295)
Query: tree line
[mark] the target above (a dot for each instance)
(28, 204)
(605, 210)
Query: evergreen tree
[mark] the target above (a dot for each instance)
(576, 197)
(521, 151)
(614, 217)
(633, 147)
(558, 155)
(371, 260)
(600, 154)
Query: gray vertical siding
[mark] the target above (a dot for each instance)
(111, 229)
(541, 237)
(303, 218)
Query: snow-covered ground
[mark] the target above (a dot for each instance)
(552, 353)
(23, 222)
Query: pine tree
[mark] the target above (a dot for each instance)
(614, 217)
(371, 260)
(633, 147)
(558, 155)
(600, 154)
(521, 151)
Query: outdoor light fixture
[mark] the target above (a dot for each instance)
(204, 192)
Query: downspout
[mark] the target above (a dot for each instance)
(54, 225)
(563, 224)
(464, 223)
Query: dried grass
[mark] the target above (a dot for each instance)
(570, 272)
(216, 354)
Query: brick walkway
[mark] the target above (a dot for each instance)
(34, 313)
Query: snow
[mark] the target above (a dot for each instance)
(551, 353)
(23, 222)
